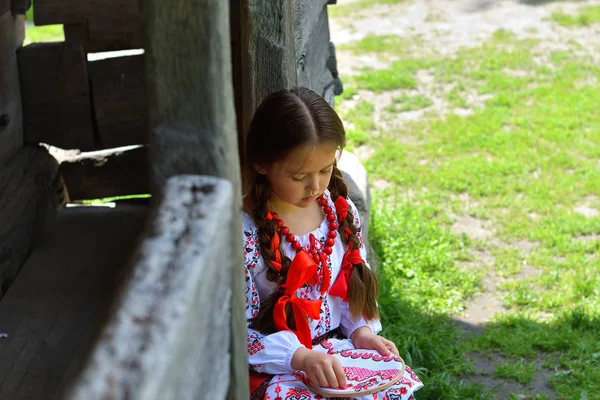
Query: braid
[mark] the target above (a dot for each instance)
(267, 229)
(363, 287)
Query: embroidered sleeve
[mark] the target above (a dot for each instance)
(348, 323)
(272, 353)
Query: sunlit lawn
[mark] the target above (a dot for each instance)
(527, 156)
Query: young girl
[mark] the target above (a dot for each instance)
(309, 290)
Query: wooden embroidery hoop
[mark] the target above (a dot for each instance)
(329, 392)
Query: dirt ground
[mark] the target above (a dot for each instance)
(443, 27)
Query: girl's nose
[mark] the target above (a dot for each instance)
(313, 184)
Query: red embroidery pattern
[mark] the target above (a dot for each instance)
(255, 347)
(365, 356)
(360, 374)
(326, 344)
(297, 393)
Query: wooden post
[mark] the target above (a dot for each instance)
(193, 130)
(12, 32)
(268, 54)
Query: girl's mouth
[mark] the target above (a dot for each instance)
(310, 198)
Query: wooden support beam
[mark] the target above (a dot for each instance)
(168, 335)
(107, 173)
(55, 306)
(12, 32)
(312, 53)
(270, 45)
(191, 103)
(120, 102)
(56, 96)
(98, 25)
(20, 6)
(31, 192)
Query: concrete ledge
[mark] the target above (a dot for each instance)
(168, 334)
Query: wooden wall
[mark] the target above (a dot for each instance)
(31, 190)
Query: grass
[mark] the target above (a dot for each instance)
(46, 33)
(587, 16)
(527, 156)
(346, 10)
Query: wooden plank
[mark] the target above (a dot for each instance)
(312, 57)
(52, 310)
(270, 44)
(120, 102)
(20, 6)
(47, 12)
(31, 192)
(306, 17)
(12, 31)
(237, 66)
(98, 25)
(56, 95)
(191, 104)
(4, 6)
(106, 173)
(169, 333)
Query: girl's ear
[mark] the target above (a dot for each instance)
(260, 168)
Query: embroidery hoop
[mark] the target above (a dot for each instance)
(355, 358)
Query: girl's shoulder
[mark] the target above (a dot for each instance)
(248, 223)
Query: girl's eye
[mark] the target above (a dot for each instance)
(326, 171)
(297, 179)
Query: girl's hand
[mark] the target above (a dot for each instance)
(364, 338)
(321, 369)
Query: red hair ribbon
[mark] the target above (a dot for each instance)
(340, 287)
(275, 240)
(300, 271)
(341, 208)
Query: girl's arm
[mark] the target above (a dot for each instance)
(272, 353)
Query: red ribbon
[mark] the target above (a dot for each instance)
(301, 270)
(340, 287)
(341, 208)
(275, 240)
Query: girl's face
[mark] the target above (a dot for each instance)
(302, 176)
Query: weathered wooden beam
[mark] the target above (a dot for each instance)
(12, 32)
(119, 99)
(52, 310)
(270, 44)
(31, 192)
(56, 95)
(313, 53)
(20, 6)
(191, 103)
(98, 25)
(168, 337)
(107, 173)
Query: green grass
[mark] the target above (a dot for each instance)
(407, 102)
(521, 371)
(345, 10)
(587, 16)
(46, 33)
(527, 156)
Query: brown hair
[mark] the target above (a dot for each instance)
(285, 120)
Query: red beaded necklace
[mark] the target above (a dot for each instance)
(320, 257)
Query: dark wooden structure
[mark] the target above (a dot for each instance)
(143, 300)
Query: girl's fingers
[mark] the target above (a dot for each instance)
(320, 379)
(381, 347)
(392, 347)
(340, 374)
(332, 379)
